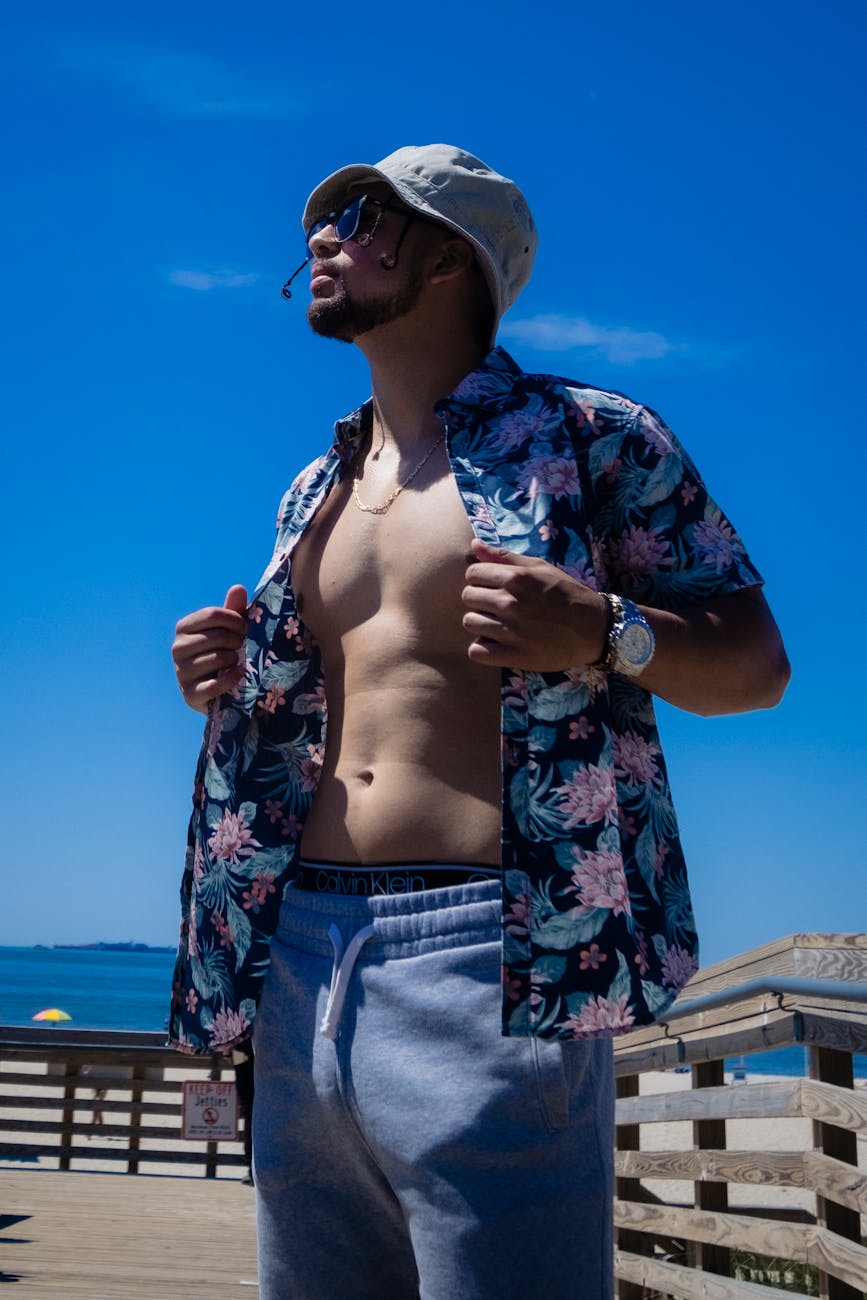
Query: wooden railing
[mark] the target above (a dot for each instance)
(712, 1201)
(74, 1099)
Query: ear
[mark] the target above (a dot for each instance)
(454, 258)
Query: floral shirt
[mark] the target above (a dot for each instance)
(598, 931)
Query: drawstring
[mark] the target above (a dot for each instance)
(340, 976)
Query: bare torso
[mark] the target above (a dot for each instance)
(412, 769)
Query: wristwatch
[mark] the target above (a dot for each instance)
(631, 642)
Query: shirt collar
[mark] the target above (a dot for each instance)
(485, 388)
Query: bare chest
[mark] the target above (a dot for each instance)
(403, 570)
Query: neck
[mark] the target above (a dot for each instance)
(410, 371)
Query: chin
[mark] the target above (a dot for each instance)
(331, 318)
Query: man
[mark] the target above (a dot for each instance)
(486, 578)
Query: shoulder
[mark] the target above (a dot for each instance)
(575, 395)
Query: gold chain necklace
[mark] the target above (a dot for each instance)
(392, 496)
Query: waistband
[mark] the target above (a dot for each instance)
(403, 925)
(369, 879)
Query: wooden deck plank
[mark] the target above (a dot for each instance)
(122, 1237)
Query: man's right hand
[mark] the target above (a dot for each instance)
(206, 648)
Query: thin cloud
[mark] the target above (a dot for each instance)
(178, 82)
(203, 281)
(619, 344)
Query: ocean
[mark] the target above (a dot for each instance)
(100, 990)
(131, 990)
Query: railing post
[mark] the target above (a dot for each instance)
(830, 1065)
(628, 1138)
(710, 1135)
(70, 1074)
(136, 1097)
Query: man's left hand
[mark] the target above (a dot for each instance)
(526, 613)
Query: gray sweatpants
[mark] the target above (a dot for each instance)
(410, 1150)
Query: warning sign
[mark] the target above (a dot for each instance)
(210, 1111)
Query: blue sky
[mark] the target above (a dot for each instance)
(694, 174)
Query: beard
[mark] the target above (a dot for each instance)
(344, 318)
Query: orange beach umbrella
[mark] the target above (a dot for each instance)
(53, 1013)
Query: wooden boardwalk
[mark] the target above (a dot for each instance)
(90, 1236)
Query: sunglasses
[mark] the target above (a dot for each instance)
(345, 222)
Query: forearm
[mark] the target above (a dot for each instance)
(725, 656)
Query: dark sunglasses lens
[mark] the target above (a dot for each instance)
(345, 222)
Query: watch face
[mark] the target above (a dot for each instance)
(635, 644)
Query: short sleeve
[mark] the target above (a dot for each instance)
(663, 540)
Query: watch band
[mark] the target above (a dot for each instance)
(630, 640)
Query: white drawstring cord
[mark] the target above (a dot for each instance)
(344, 961)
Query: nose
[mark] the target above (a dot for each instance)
(323, 242)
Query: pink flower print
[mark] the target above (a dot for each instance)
(232, 839)
(678, 967)
(591, 957)
(511, 985)
(516, 691)
(273, 810)
(688, 492)
(198, 861)
(626, 823)
(290, 827)
(581, 729)
(662, 852)
(516, 428)
(555, 475)
(612, 470)
(310, 768)
(548, 531)
(218, 921)
(516, 921)
(256, 613)
(599, 880)
(634, 760)
(600, 1016)
(260, 888)
(641, 958)
(481, 515)
(228, 1026)
(600, 562)
(584, 418)
(641, 550)
(715, 541)
(192, 1001)
(274, 697)
(291, 626)
(592, 416)
(193, 933)
(215, 731)
(588, 796)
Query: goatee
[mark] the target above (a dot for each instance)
(341, 317)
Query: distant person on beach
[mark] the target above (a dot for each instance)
(453, 899)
